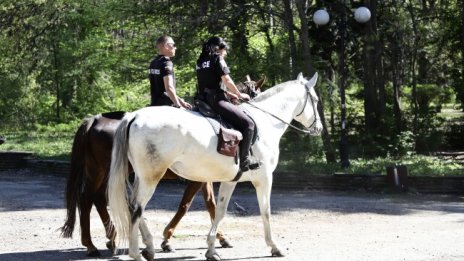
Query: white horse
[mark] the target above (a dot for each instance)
(154, 139)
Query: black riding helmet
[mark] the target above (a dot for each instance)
(211, 46)
(217, 42)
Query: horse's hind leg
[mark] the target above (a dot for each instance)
(86, 239)
(100, 204)
(192, 188)
(149, 251)
(210, 202)
(143, 192)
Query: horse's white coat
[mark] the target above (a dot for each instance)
(166, 137)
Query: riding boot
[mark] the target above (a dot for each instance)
(245, 162)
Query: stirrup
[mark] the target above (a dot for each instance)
(255, 165)
(247, 167)
(250, 166)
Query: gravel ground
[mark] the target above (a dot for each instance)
(307, 225)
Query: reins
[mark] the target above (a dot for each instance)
(306, 130)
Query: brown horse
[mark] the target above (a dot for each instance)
(88, 180)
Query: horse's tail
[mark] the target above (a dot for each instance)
(75, 182)
(118, 198)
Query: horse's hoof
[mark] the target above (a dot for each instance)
(212, 257)
(225, 243)
(148, 255)
(167, 247)
(93, 253)
(110, 245)
(276, 253)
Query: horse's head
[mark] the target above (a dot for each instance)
(309, 116)
(250, 87)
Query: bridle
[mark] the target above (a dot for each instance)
(310, 97)
(308, 130)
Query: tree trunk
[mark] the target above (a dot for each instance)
(413, 67)
(309, 72)
(379, 76)
(461, 90)
(396, 81)
(57, 79)
(238, 25)
(268, 26)
(291, 37)
(375, 100)
(214, 27)
(304, 37)
(342, 70)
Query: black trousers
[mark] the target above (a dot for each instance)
(234, 115)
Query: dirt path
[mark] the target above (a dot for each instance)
(307, 225)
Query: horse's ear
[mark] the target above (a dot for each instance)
(313, 80)
(300, 77)
(260, 83)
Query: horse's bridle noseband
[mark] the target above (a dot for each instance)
(310, 97)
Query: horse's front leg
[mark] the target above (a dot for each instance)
(210, 202)
(225, 192)
(263, 192)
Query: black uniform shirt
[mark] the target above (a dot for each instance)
(161, 66)
(210, 71)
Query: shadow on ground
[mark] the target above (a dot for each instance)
(22, 191)
(76, 254)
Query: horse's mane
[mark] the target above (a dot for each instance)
(269, 92)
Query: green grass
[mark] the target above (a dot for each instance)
(44, 141)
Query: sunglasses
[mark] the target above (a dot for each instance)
(172, 45)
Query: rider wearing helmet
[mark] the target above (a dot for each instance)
(212, 70)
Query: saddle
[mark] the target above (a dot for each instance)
(228, 138)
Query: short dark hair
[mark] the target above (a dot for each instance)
(162, 40)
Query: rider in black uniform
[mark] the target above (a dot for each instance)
(212, 70)
(161, 75)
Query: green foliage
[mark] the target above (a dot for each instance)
(301, 153)
(403, 145)
(299, 150)
(454, 137)
(61, 61)
(432, 96)
(418, 165)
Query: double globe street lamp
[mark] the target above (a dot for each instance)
(361, 15)
(321, 17)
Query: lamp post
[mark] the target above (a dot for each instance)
(321, 17)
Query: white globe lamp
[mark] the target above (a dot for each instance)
(321, 17)
(362, 14)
